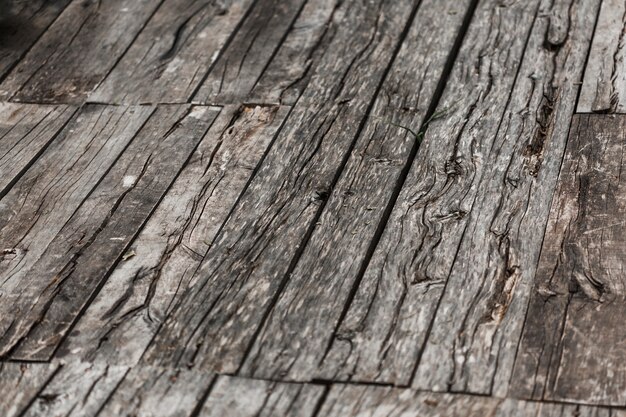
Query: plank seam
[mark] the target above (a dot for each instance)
(582, 78)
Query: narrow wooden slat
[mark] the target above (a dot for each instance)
(123, 318)
(293, 342)
(238, 68)
(289, 71)
(22, 25)
(171, 55)
(368, 401)
(604, 85)
(45, 303)
(77, 51)
(41, 202)
(572, 347)
(239, 397)
(20, 383)
(476, 331)
(25, 132)
(245, 268)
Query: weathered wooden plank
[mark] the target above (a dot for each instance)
(21, 25)
(289, 71)
(294, 340)
(172, 54)
(239, 67)
(77, 51)
(25, 132)
(381, 336)
(240, 397)
(573, 342)
(366, 401)
(243, 271)
(148, 391)
(604, 86)
(20, 383)
(41, 202)
(478, 323)
(123, 318)
(78, 389)
(37, 314)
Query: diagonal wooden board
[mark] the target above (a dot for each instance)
(572, 347)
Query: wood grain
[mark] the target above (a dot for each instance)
(77, 51)
(25, 133)
(173, 53)
(604, 86)
(369, 401)
(245, 268)
(47, 195)
(20, 383)
(123, 318)
(21, 25)
(572, 345)
(37, 315)
(240, 397)
(295, 338)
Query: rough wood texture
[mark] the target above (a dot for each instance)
(59, 284)
(239, 67)
(124, 317)
(77, 51)
(573, 343)
(380, 338)
(25, 132)
(20, 383)
(48, 194)
(486, 295)
(239, 397)
(295, 338)
(147, 391)
(350, 400)
(604, 86)
(173, 53)
(245, 268)
(290, 69)
(21, 24)
(77, 389)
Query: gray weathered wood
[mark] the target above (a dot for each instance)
(147, 391)
(77, 51)
(301, 325)
(41, 202)
(36, 316)
(172, 54)
(25, 132)
(381, 336)
(289, 71)
(20, 383)
(21, 25)
(240, 397)
(369, 401)
(604, 86)
(123, 318)
(573, 342)
(239, 67)
(478, 323)
(243, 271)
(78, 389)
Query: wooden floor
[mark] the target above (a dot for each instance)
(313, 208)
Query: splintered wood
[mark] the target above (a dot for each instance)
(312, 208)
